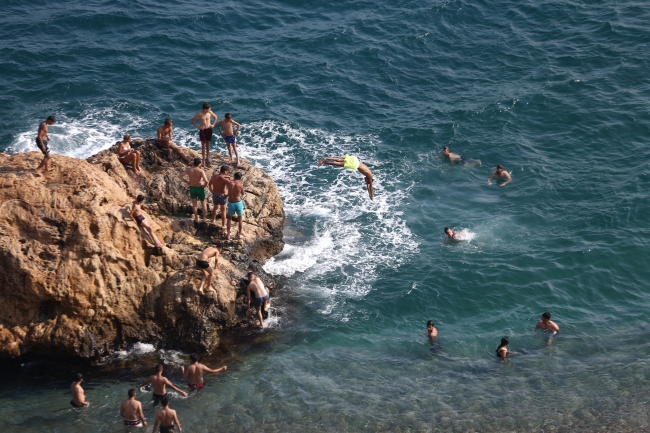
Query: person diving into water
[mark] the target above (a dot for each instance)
(352, 163)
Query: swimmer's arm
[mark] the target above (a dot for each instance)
(491, 176)
(185, 372)
(146, 382)
(141, 415)
(508, 177)
(178, 423)
(209, 370)
(172, 386)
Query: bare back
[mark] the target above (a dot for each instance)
(227, 125)
(363, 169)
(158, 382)
(135, 209)
(219, 184)
(131, 409)
(235, 191)
(257, 287)
(166, 417)
(195, 373)
(208, 253)
(197, 176)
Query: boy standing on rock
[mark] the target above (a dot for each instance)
(197, 182)
(205, 126)
(159, 382)
(219, 188)
(202, 262)
(230, 136)
(195, 372)
(41, 141)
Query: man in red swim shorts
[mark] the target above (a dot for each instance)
(205, 126)
(195, 372)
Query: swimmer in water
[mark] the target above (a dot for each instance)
(78, 395)
(457, 236)
(352, 163)
(502, 350)
(432, 332)
(500, 174)
(195, 372)
(549, 328)
(166, 418)
(455, 158)
(131, 413)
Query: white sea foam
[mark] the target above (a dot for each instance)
(465, 235)
(349, 236)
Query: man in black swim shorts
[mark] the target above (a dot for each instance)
(202, 263)
(205, 126)
(41, 142)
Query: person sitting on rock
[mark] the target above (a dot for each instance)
(352, 163)
(164, 141)
(159, 383)
(127, 155)
(202, 263)
(260, 296)
(195, 372)
(197, 182)
(136, 215)
(78, 395)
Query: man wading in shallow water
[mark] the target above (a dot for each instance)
(166, 418)
(195, 372)
(205, 126)
(159, 382)
(78, 395)
(131, 411)
(41, 141)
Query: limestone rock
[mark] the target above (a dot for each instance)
(78, 277)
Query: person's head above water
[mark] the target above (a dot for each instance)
(445, 150)
(430, 324)
(505, 341)
(206, 106)
(131, 393)
(139, 198)
(449, 232)
(78, 377)
(546, 316)
(197, 162)
(194, 358)
(499, 168)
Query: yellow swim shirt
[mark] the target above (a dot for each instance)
(350, 162)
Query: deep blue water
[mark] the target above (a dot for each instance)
(556, 91)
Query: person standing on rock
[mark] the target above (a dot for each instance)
(205, 126)
(128, 155)
(195, 372)
(78, 395)
(229, 135)
(166, 418)
(136, 215)
(159, 382)
(197, 182)
(202, 263)
(260, 296)
(235, 204)
(131, 412)
(164, 141)
(352, 163)
(219, 188)
(41, 141)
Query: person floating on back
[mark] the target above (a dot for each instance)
(432, 332)
(136, 215)
(78, 395)
(205, 126)
(501, 175)
(235, 204)
(202, 263)
(197, 182)
(127, 155)
(351, 163)
(549, 328)
(219, 188)
(502, 350)
(259, 296)
(166, 418)
(131, 412)
(41, 141)
(195, 372)
(159, 383)
(229, 135)
(164, 141)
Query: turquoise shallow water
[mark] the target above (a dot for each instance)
(556, 91)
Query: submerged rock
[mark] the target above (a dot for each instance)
(78, 277)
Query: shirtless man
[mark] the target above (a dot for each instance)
(352, 163)
(218, 186)
(503, 351)
(197, 182)
(432, 332)
(164, 141)
(195, 372)
(205, 126)
(159, 383)
(549, 328)
(230, 136)
(500, 174)
(131, 411)
(202, 263)
(450, 234)
(260, 295)
(78, 395)
(136, 215)
(41, 141)
(235, 204)
(166, 418)
(453, 157)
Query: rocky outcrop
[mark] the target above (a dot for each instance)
(78, 277)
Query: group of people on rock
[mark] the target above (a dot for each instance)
(131, 410)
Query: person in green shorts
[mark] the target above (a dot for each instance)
(352, 163)
(197, 180)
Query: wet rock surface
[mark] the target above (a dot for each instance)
(79, 277)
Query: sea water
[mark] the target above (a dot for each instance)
(557, 92)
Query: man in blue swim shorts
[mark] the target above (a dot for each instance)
(229, 135)
(235, 204)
